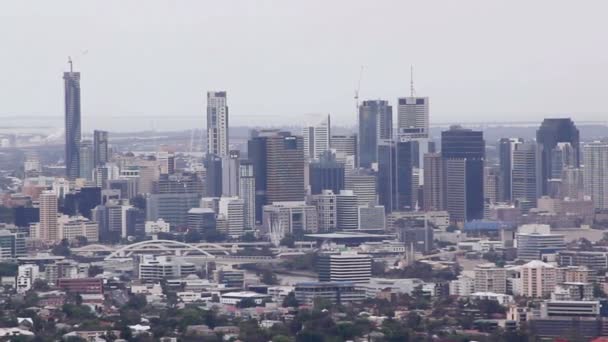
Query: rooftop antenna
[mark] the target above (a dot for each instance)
(411, 80)
(358, 88)
(70, 63)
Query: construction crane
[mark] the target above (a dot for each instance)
(358, 88)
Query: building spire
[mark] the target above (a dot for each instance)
(70, 63)
(411, 80)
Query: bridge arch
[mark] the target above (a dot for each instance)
(166, 246)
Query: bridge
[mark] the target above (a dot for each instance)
(202, 251)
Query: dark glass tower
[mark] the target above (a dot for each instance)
(326, 174)
(550, 133)
(278, 166)
(463, 153)
(213, 178)
(506, 146)
(72, 123)
(100, 147)
(395, 163)
(375, 123)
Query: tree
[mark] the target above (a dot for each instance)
(309, 336)
(378, 268)
(288, 241)
(320, 303)
(290, 300)
(248, 237)
(8, 269)
(62, 248)
(213, 235)
(139, 202)
(246, 303)
(95, 270)
(81, 240)
(40, 285)
(193, 236)
(268, 277)
(137, 302)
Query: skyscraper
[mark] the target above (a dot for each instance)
(375, 123)
(463, 152)
(413, 112)
(595, 177)
(213, 176)
(72, 123)
(433, 193)
(413, 124)
(100, 147)
(326, 174)
(550, 133)
(247, 193)
(87, 162)
(525, 174)
(316, 138)
(217, 123)
(47, 228)
(506, 146)
(230, 174)
(278, 167)
(395, 166)
(345, 147)
(363, 185)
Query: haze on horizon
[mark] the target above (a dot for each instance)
(279, 60)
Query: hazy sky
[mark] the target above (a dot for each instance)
(279, 60)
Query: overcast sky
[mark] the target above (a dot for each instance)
(279, 60)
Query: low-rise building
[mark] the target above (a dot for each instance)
(334, 292)
(158, 226)
(81, 285)
(156, 268)
(235, 298)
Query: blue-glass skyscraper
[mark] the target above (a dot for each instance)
(72, 123)
(375, 124)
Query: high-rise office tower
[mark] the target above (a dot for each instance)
(550, 133)
(375, 123)
(595, 155)
(345, 267)
(363, 185)
(47, 228)
(413, 112)
(573, 185)
(490, 184)
(230, 174)
(506, 146)
(433, 193)
(87, 162)
(562, 156)
(100, 147)
(325, 202)
(345, 147)
(316, 138)
(413, 123)
(278, 167)
(347, 210)
(387, 175)
(72, 123)
(232, 209)
(395, 175)
(217, 123)
(247, 193)
(463, 152)
(525, 174)
(213, 176)
(326, 174)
